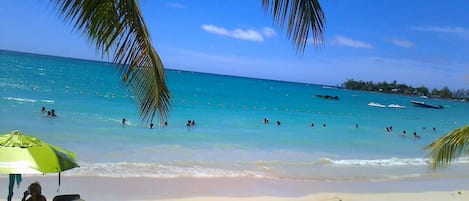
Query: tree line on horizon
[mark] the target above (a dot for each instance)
(398, 88)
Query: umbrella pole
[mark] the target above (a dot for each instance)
(58, 189)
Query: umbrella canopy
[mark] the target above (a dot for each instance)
(23, 154)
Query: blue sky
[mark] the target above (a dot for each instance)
(417, 42)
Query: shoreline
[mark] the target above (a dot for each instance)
(127, 189)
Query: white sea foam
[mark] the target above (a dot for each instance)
(20, 99)
(261, 169)
(390, 162)
(47, 101)
(127, 169)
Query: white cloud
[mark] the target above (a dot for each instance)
(176, 5)
(339, 69)
(243, 34)
(269, 32)
(403, 43)
(443, 29)
(461, 31)
(348, 42)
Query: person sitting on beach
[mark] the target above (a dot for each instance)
(416, 136)
(34, 191)
(43, 109)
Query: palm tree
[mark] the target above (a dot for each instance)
(117, 27)
(449, 147)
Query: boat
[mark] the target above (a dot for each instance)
(373, 104)
(328, 97)
(396, 106)
(426, 105)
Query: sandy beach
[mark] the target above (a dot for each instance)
(195, 189)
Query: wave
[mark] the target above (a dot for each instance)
(20, 99)
(28, 100)
(263, 169)
(386, 162)
(359, 162)
(47, 101)
(128, 169)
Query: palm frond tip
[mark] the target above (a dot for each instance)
(300, 17)
(449, 147)
(117, 27)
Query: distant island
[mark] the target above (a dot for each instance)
(396, 88)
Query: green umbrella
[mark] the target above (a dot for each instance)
(23, 154)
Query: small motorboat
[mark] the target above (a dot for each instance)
(396, 106)
(426, 105)
(373, 104)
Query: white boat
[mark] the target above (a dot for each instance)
(372, 104)
(395, 106)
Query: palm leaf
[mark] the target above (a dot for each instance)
(449, 147)
(301, 17)
(117, 27)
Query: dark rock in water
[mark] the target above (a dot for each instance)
(328, 97)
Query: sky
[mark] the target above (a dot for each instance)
(417, 42)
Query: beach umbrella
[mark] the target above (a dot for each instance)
(23, 154)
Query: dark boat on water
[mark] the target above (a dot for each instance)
(425, 105)
(328, 97)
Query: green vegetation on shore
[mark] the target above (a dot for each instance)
(396, 88)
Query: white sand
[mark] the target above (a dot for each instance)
(191, 189)
(423, 196)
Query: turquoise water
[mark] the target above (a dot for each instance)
(230, 138)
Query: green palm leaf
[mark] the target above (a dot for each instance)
(301, 17)
(448, 147)
(117, 27)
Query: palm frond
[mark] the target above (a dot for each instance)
(301, 17)
(449, 147)
(117, 27)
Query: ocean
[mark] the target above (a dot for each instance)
(230, 139)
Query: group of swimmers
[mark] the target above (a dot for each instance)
(190, 123)
(323, 125)
(151, 124)
(404, 133)
(388, 129)
(50, 113)
(266, 121)
(124, 122)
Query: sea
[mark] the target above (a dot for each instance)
(230, 139)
